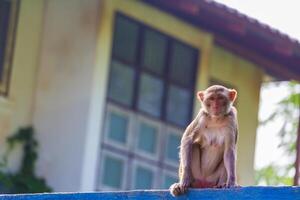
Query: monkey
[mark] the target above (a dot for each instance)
(207, 156)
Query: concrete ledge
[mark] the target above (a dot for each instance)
(211, 194)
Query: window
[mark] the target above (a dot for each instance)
(118, 127)
(125, 39)
(8, 18)
(182, 62)
(113, 172)
(172, 147)
(121, 83)
(151, 72)
(176, 98)
(150, 95)
(147, 138)
(154, 52)
(144, 178)
(149, 102)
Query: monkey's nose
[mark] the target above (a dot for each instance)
(216, 107)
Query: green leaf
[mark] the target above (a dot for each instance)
(24, 180)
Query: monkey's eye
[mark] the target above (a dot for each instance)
(211, 98)
(220, 98)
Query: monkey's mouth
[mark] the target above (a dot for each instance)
(217, 112)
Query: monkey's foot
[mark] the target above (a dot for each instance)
(178, 188)
(226, 185)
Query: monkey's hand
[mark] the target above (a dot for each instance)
(180, 188)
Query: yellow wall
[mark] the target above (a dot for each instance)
(16, 109)
(246, 78)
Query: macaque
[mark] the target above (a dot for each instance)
(208, 145)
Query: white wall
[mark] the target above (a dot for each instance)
(63, 92)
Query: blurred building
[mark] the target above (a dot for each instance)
(109, 85)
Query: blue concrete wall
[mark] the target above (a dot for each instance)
(248, 193)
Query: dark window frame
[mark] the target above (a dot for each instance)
(9, 10)
(137, 66)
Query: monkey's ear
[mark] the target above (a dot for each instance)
(232, 94)
(200, 95)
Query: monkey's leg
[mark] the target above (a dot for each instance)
(219, 177)
(222, 177)
(176, 189)
(199, 180)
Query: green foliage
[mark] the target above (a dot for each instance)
(24, 180)
(288, 112)
(269, 176)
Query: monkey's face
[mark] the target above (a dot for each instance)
(217, 100)
(216, 104)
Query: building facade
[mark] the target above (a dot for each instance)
(109, 86)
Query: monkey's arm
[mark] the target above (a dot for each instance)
(186, 151)
(186, 154)
(230, 158)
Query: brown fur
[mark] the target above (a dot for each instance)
(208, 145)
